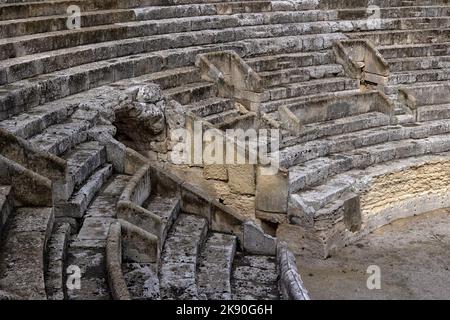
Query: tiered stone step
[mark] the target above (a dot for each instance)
(197, 96)
(24, 94)
(24, 9)
(179, 258)
(293, 93)
(330, 4)
(199, 8)
(42, 24)
(403, 37)
(254, 278)
(302, 153)
(56, 259)
(142, 280)
(23, 250)
(433, 112)
(419, 63)
(88, 248)
(415, 50)
(192, 92)
(286, 76)
(332, 177)
(170, 30)
(419, 76)
(215, 267)
(290, 60)
(82, 162)
(165, 207)
(313, 131)
(211, 107)
(394, 12)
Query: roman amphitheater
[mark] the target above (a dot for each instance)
(96, 98)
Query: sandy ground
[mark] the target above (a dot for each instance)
(413, 255)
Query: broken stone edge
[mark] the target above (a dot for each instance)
(290, 282)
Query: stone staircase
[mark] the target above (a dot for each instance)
(197, 262)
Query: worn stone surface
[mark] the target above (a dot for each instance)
(215, 266)
(255, 278)
(142, 281)
(22, 263)
(179, 258)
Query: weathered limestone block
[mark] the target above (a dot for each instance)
(223, 219)
(299, 212)
(116, 281)
(138, 245)
(291, 283)
(241, 178)
(142, 119)
(258, 242)
(272, 191)
(192, 202)
(215, 172)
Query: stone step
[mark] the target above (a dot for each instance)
(283, 95)
(22, 264)
(168, 208)
(173, 30)
(88, 249)
(301, 74)
(76, 206)
(25, 9)
(401, 37)
(174, 77)
(34, 25)
(34, 121)
(25, 94)
(211, 106)
(23, 67)
(337, 183)
(179, 258)
(433, 112)
(29, 93)
(293, 60)
(254, 278)
(324, 194)
(394, 12)
(313, 131)
(197, 8)
(301, 153)
(416, 76)
(331, 4)
(83, 160)
(415, 50)
(56, 260)
(61, 137)
(6, 205)
(237, 121)
(419, 63)
(104, 204)
(340, 85)
(225, 116)
(142, 280)
(215, 267)
(192, 92)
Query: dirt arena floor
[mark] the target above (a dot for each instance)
(413, 256)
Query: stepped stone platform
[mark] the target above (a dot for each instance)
(90, 108)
